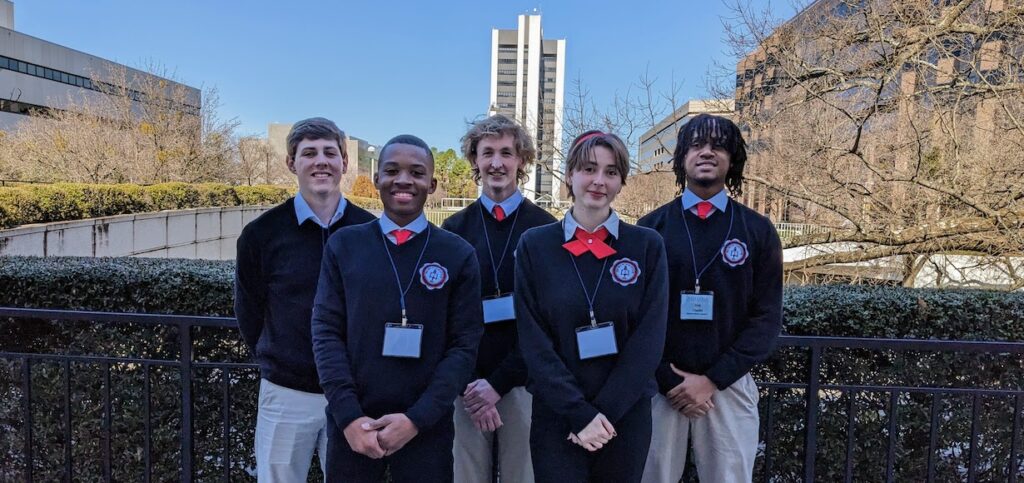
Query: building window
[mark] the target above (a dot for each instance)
(24, 108)
(506, 61)
(74, 80)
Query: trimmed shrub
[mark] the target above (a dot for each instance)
(109, 200)
(16, 206)
(173, 196)
(366, 203)
(262, 195)
(214, 194)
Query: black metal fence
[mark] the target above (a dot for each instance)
(813, 426)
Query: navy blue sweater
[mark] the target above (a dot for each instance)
(275, 281)
(499, 361)
(358, 295)
(748, 297)
(550, 306)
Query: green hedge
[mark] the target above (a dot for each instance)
(22, 205)
(204, 288)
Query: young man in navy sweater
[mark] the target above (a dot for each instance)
(495, 403)
(725, 310)
(396, 325)
(275, 281)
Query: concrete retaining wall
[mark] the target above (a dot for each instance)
(207, 233)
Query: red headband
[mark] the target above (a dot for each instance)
(588, 136)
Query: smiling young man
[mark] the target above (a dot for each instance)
(495, 403)
(275, 282)
(725, 310)
(396, 325)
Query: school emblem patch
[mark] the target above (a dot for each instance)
(734, 252)
(433, 275)
(625, 271)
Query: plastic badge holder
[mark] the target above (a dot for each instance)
(696, 306)
(500, 308)
(596, 340)
(402, 340)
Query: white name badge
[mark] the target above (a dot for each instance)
(402, 340)
(696, 306)
(497, 309)
(596, 341)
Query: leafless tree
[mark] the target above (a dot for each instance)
(258, 164)
(899, 124)
(135, 127)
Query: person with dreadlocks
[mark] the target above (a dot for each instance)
(725, 310)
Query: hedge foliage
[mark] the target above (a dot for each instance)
(25, 204)
(204, 288)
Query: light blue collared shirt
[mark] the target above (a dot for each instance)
(510, 204)
(570, 225)
(416, 226)
(720, 201)
(303, 212)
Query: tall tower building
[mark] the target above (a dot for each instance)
(528, 84)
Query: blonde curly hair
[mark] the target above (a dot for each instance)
(499, 125)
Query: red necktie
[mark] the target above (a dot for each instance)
(401, 235)
(590, 242)
(704, 209)
(499, 212)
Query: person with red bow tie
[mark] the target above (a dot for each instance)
(591, 297)
(725, 310)
(396, 325)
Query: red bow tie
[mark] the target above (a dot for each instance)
(590, 242)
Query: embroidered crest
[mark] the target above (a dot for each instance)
(625, 271)
(734, 252)
(433, 275)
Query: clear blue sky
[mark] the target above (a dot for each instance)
(379, 68)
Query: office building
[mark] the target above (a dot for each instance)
(528, 85)
(38, 77)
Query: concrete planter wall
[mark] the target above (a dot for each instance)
(207, 233)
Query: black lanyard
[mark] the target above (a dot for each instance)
(590, 297)
(487, 238)
(693, 254)
(398, 280)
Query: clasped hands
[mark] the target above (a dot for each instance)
(692, 397)
(480, 400)
(595, 435)
(377, 438)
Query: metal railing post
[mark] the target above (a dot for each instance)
(185, 335)
(811, 437)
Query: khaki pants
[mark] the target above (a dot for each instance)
(724, 441)
(472, 450)
(289, 428)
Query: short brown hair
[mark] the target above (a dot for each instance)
(312, 129)
(498, 126)
(585, 143)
